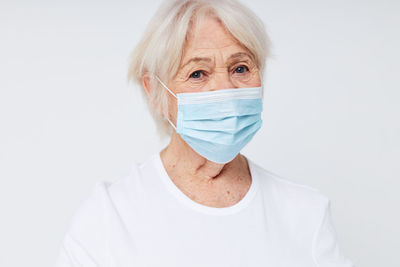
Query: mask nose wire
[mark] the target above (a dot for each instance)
(172, 94)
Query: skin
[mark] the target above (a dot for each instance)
(204, 181)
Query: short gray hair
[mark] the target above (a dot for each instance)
(161, 47)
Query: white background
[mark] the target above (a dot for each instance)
(68, 118)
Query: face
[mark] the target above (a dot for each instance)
(213, 59)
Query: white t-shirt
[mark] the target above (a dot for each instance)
(144, 219)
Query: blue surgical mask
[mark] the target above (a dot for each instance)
(218, 124)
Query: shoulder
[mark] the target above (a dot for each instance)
(285, 188)
(106, 209)
(293, 202)
(104, 197)
(84, 240)
(91, 208)
(304, 213)
(103, 211)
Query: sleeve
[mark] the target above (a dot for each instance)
(326, 249)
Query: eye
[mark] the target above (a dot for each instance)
(241, 69)
(197, 74)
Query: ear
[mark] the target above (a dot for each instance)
(148, 88)
(146, 82)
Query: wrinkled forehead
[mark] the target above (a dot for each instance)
(209, 40)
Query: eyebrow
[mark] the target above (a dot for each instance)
(207, 59)
(238, 55)
(196, 59)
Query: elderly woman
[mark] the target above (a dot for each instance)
(199, 202)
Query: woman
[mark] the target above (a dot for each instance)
(199, 202)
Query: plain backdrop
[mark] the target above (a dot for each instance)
(68, 117)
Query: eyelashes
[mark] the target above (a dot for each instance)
(237, 71)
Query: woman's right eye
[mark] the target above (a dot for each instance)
(196, 75)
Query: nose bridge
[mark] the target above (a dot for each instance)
(222, 79)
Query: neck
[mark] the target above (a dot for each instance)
(182, 161)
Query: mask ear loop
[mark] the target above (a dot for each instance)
(166, 87)
(172, 94)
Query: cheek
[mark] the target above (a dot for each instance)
(257, 81)
(254, 81)
(172, 106)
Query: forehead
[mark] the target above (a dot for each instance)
(208, 37)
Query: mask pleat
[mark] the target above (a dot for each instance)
(228, 124)
(221, 109)
(223, 137)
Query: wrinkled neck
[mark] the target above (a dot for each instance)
(188, 162)
(193, 172)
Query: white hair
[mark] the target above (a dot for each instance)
(161, 47)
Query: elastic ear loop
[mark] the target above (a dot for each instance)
(172, 94)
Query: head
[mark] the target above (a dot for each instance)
(197, 45)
